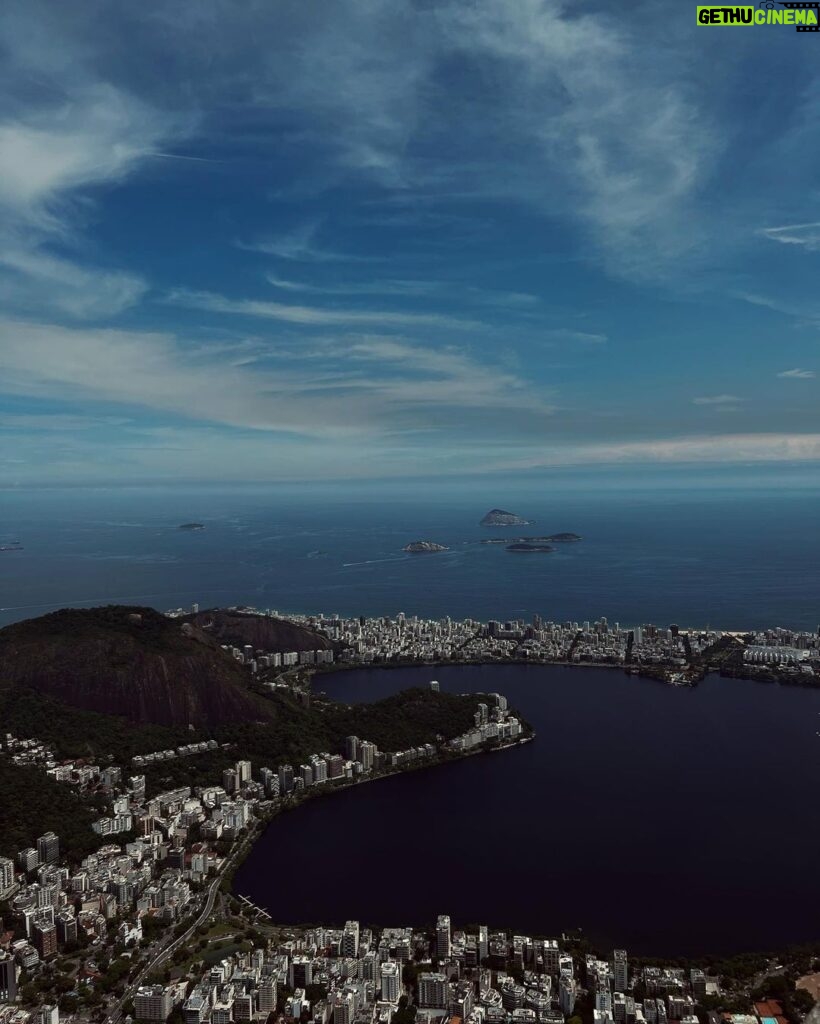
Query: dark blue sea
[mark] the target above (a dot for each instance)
(733, 558)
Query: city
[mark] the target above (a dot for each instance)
(677, 654)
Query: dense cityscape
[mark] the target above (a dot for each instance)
(678, 654)
(137, 929)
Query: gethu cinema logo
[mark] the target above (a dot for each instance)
(804, 16)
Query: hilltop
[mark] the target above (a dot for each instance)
(263, 632)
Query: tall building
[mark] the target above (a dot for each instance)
(153, 1002)
(243, 771)
(443, 937)
(483, 944)
(45, 939)
(8, 979)
(267, 995)
(620, 970)
(350, 939)
(48, 848)
(285, 779)
(367, 754)
(352, 747)
(344, 1008)
(566, 994)
(7, 883)
(49, 1014)
(28, 859)
(391, 981)
(432, 991)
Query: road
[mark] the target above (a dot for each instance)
(115, 1014)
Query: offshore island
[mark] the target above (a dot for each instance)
(142, 754)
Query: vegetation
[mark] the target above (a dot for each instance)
(32, 803)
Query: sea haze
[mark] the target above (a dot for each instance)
(671, 821)
(731, 559)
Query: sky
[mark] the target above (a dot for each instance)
(366, 239)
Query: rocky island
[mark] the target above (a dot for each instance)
(529, 546)
(424, 547)
(500, 517)
(192, 526)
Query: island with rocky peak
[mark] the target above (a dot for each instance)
(424, 547)
(500, 517)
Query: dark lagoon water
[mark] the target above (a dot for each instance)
(665, 820)
(730, 558)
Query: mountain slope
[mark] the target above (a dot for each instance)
(133, 662)
(260, 631)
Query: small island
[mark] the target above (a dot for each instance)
(192, 526)
(424, 547)
(528, 546)
(564, 538)
(500, 517)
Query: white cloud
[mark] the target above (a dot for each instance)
(51, 154)
(718, 401)
(805, 235)
(720, 448)
(797, 374)
(314, 316)
(364, 386)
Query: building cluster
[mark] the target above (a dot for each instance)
(409, 638)
(171, 844)
(357, 975)
(786, 649)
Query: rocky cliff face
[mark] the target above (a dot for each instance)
(132, 662)
(260, 631)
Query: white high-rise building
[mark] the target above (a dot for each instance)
(6, 877)
(350, 939)
(391, 981)
(483, 944)
(443, 944)
(620, 970)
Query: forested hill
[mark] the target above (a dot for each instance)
(132, 662)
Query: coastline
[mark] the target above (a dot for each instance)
(263, 823)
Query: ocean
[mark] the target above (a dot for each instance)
(731, 559)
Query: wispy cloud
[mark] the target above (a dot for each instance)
(51, 154)
(797, 374)
(313, 316)
(366, 385)
(722, 403)
(300, 245)
(715, 448)
(805, 235)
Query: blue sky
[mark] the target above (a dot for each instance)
(303, 241)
